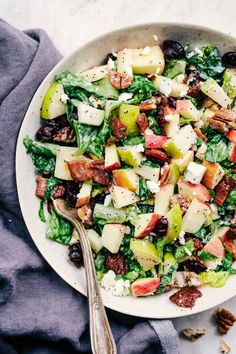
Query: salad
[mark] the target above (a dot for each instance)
(144, 146)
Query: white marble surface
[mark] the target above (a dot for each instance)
(73, 22)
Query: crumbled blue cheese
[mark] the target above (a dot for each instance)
(125, 96)
(153, 186)
(64, 98)
(194, 172)
(155, 37)
(169, 117)
(148, 131)
(128, 70)
(140, 148)
(118, 287)
(107, 200)
(146, 50)
(111, 64)
(181, 237)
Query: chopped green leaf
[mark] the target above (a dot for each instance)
(41, 212)
(59, 230)
(144, 192)
(167, 278)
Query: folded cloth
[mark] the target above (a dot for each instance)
(39, 312)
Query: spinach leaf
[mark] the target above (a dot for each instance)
(42, 164)
(226, 264)
(144, 192)
(166, 279)
(59, 229)
(42, 149)
(133, 140)
(231, 199)
(150, 163)
(206, 256)
(99, 263)
(217, 150)
(51, 184)
(174, 67)
(141, 88)
(145, 208)
(132, 214)
(204, 234)
(208, 62)
(41, 212)
(152, 119)
(184, 250)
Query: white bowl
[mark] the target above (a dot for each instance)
(83, 58)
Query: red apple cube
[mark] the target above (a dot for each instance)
(213, 175)
(215, 247)
(145, 286)
(232, 153)
(126, 178)
(231, 135)
(155, 141)
(112, 160)
(145, 224)
(191, 190)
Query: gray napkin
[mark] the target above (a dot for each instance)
(39, 312)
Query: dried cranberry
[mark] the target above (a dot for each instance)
(75, 254)
(194, 265)
(172, 102)
(161, 119)
(173, 49)
(117, 263)
(229, 59)
(119, 129)
(71, 191)
(161, 227)
(99, 198)
(58, 191)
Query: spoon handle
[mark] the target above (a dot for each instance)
(102, 340)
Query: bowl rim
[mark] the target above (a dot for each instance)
(102, 36)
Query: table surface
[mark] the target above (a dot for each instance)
(68, 24)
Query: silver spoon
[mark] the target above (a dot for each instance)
(102, 341)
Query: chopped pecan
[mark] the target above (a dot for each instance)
(148, 105)
(217, 124)
(224, 347)
(183, 202)
(193, 333)
(65, 135)
(200, 134)
(186, 296)
(41, 186)
(231, 233)
(101, 177)
(226, 114)
(119, 129)
(161, 119)
(117, 263)
(85, 214)
(225, 320)
(165, 175)
(142, 123)
(58, 191)
(118, 80)
(223, 188)
(158, 155)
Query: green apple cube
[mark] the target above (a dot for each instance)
(195, 216)
(170, 87)
(128, 115)
(187, 109)
(90, 115)
(148, 60)
(213, 90)
(112, 236)
(174, 217)
(130, 155)
(172, 149)
(173, 174)
(52, 105)
(169, 260)
(229, 82)
(145, 253)
(162, 199)
(94, 74)
(95, 240)
(171, 127)
(181, 142)
(124, 61)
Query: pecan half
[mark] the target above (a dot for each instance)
(225, 320)
(118, 80)
(200, 134)
(58, 191)
(148, 105)
(218, 125)
(119, 129)
(231, 233)
(142, 123)
(158, 155)
(41, 186)
(223, 188)
(193, 333)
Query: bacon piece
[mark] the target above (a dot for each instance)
(158, 155)
(118, 80)
(99, 164)
(58, 192)
(119, 129)
(41, 186)
(223, 188)
(186, 296)
(231, 233)
(101, 177)
(80, 170)
(142, 123)
(148, 105)
(200, 134)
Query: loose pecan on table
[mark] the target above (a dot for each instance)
(193, 333)
(225, 320)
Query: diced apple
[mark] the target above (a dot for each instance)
(95, 240)
(188, 110)
(124, 61)
(232, 152)
(195, 216)
(171, 125)
(201, 152)
(173, 174)
(112, 236)
(181, 142)
(170, 87)
(112, 160)
(52, 105)
(162, 199)
(90, 115)
(229, 82)
(145, 286)
(148, 61)
(213, 175)
(126, 178)
(94, 74)
(64, 154)
(229, 244)
(191, 191)
(128, 115)
(148, 172)
(122, 197)
(174, 217)
(130, 155)
(145, 224)
(231, 135)
(213, 90)
(84, 194)
(153, 141)
(208, 113)
(215, 247)
(145, 253)
(184, 161)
